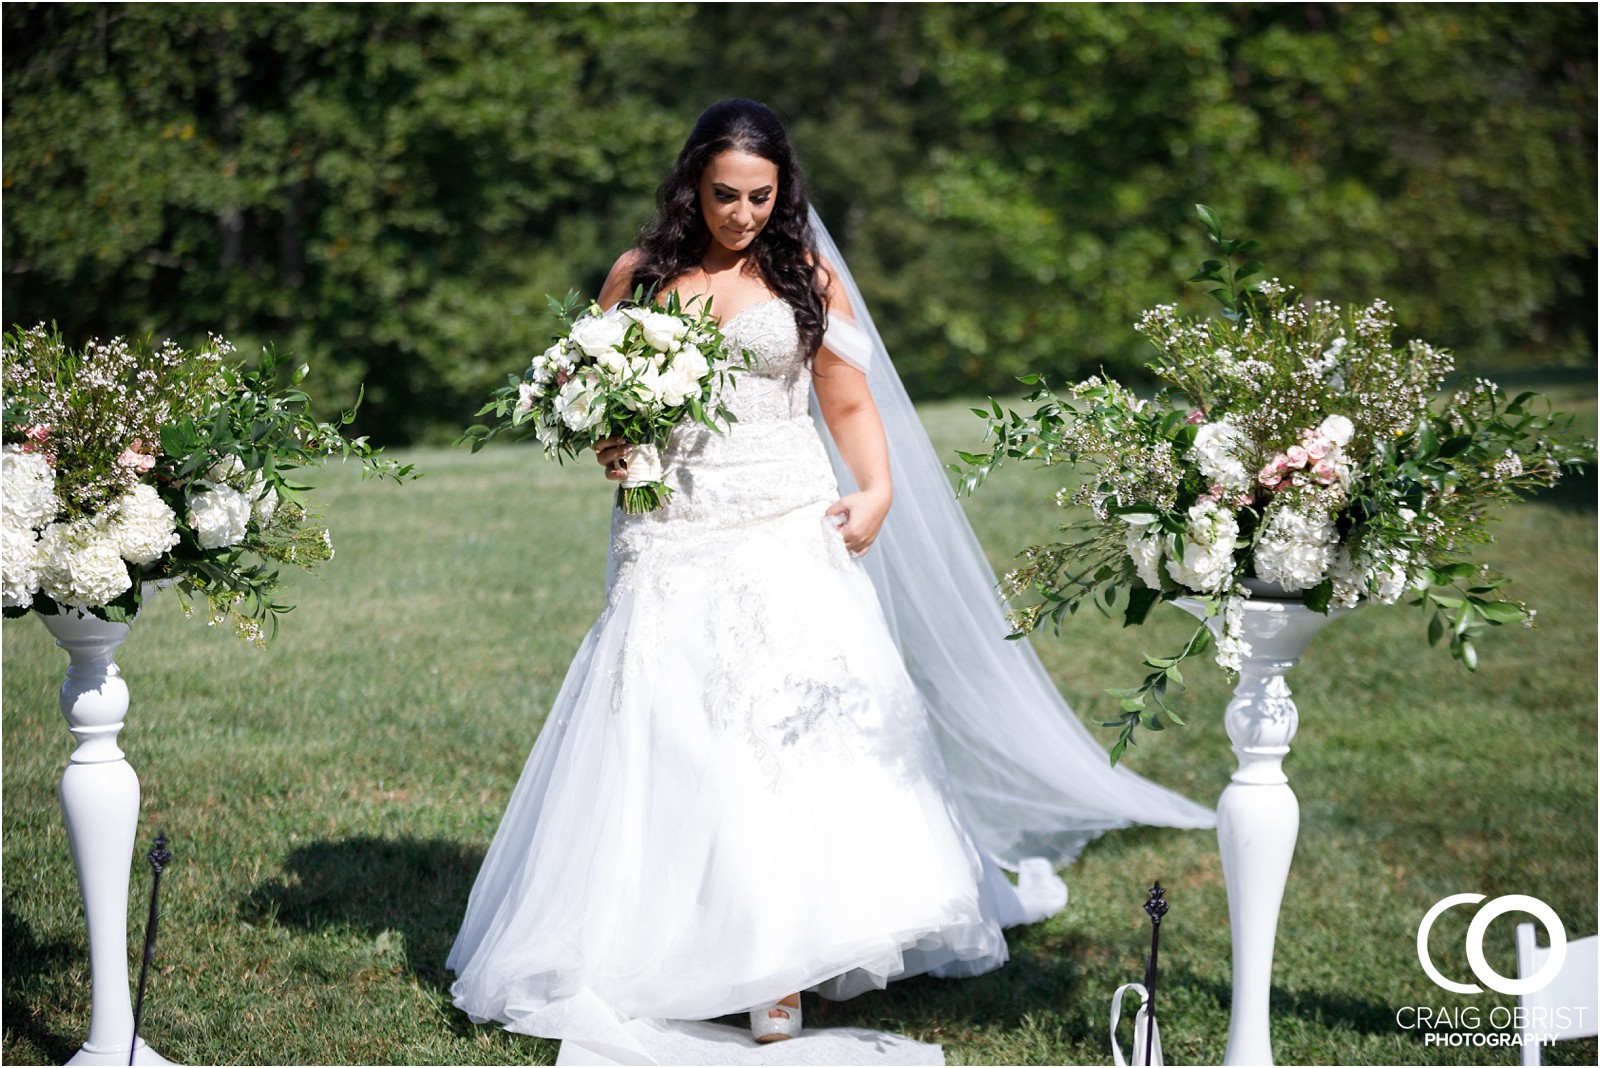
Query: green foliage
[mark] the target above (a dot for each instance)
(389, 188)
(1290, 442)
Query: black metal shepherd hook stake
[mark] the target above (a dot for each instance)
(159, 858)
(1156, 907)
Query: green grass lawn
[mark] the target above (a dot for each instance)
(329, 800)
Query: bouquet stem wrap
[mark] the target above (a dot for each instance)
(643, 491)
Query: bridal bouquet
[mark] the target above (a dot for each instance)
(1294, 450)
(126, 465)
(633, 372)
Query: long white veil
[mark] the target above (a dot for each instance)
(1031, 780)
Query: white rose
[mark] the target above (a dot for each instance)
(595, 334)
(692, 363)
(646, 388)
(579, 405)
(19, 568)
(80, 564)
(676, 385)
(219, 516)
(662, 332)
(548, 431)
(527, 393)
(613, 364)
(143, 527)
(28, 496)
(1337, 429)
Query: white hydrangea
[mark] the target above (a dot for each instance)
(1388, 581)
(264, 504)
(1146, 556)
(19, 569)
(1206, 565)
(1217, 448)
(142, 525)
(80, 564)
(29, 489)
(219, 515)
(1296, 550)
(1349, 579)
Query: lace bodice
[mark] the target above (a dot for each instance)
(779, 386)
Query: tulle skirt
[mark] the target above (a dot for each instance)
(736, 795)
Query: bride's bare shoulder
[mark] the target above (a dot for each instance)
(619, 282)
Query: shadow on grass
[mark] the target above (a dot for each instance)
(29, 963)
(418, 888)
(1333, 1010)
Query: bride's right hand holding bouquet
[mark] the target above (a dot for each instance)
(620, 379)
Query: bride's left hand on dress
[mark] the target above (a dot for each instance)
(862, 516)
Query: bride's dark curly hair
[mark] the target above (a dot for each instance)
(784, 250)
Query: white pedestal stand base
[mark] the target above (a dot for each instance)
(100, 805)
(1258, 817)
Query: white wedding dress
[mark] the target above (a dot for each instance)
(742, 789)
(737, 794)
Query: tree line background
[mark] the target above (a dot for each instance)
(389, 191)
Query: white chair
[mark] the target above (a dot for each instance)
(1569, 1006)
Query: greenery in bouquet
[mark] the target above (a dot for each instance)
(1293, 450)
(632, 372)
(127, 465)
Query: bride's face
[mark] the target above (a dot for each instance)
(737, 193)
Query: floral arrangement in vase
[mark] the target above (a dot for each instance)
(632, 372)
(1293, 450)
(126, 465)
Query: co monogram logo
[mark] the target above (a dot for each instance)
(1475, 931)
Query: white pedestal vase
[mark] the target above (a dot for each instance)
(100, 805)
(1258, 816)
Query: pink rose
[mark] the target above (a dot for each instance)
(1326, 472)
(1196, 417)
(132, 457)
(1317, 447)
(1268, 475)
(37, 434)
(1296, 457)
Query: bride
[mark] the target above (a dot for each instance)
(794, 750)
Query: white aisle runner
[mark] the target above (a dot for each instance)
(696, 1042)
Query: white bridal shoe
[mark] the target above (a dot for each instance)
(775, 1021)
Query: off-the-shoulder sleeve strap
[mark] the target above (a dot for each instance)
(848, 341)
